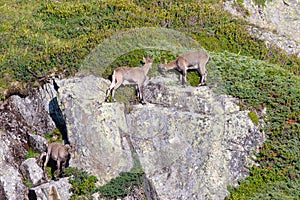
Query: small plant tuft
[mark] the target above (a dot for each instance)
(28, 183)
(83, 184)
(54, 136)
(32, 153)
(122, 185)
(254, 118)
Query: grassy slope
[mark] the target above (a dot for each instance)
(56, 36)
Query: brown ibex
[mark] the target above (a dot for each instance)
(193, 60)
(59, 153)
(130, 76)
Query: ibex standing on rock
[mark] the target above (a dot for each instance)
(59, 153)
(130, 76)
(193, 60)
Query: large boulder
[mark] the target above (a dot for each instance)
(195, 144)
(95, 128)
(32, 171)
(13, 142)
(11, 184)
(279, 15)
(23, 122)
(35, 110)
(52, 190)
(190, 142)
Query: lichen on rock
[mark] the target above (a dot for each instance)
(190, 142)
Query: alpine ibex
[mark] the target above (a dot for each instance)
(130, 76)
(193, 60)
(59, 153)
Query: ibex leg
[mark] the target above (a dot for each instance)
(184, 78)
(142, 100)
(58, 167)
(203, 72)
(118, 84)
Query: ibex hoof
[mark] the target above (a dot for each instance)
(143, 102)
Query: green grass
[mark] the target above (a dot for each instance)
(28, 183)
(54, 136)
(254, 118)
(45, 37)
(32, 154)
(258, 83)
(41, 37)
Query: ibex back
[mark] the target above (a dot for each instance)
(59, 153)
(193, 60)
(130, 76)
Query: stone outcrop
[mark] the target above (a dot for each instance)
(52, 190)
(11, 184)
(280, 16)
(35, 110)
(32, 171)
(190, 142)
(23, 122)
(94, 129)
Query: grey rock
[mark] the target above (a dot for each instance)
(34, 110)
(11, 184)
(282, 17)
(290, 46)
(32, 171)
(190, 142)
(194, 146)
(58, 190)
(95, 128)
(37, 143)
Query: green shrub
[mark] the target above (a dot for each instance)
(32, 153)
(28, 183)
(83, 184)
(122, 185)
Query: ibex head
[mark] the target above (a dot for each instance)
(147, 60)
(70, 149)
(163, 66)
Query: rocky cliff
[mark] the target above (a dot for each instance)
(280, 20)
(190, 142)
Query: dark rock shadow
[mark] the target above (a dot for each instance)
(32, 195)
(58, 118)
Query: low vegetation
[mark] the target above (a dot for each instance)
(54, 136)
(123, 185)
(83, 184)
(39, 38)
(32, 153)
(258, 83)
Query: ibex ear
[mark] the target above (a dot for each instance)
(166, 61)
(144, 59)
(68, 146)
